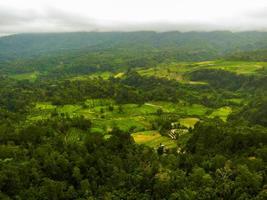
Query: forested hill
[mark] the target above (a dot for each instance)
(257, 55)
(185, 46)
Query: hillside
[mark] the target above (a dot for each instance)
(139, 115)
(76, 53)
(212, 44)
(256, 55)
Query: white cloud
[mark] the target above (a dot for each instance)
(107, 15)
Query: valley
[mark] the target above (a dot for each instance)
(141, 115)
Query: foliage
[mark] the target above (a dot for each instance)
(122, 116)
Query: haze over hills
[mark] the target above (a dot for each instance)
(216, 44)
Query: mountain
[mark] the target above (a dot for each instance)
(202, 45)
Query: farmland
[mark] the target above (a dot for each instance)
(128, 117)
(106, 113)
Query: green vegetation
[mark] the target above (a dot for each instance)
(133, 116)
(188, 122)
(221, 113)
(25, 76)
(153, 139)
(179, 70)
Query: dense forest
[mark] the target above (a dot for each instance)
(140, 115)
(86, 52)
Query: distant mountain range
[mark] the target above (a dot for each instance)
(184, 46)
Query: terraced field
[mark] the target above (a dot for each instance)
(153, 139)
(105, 113)
(178, 71)
(128, 117)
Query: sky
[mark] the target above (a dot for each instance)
(20, 16)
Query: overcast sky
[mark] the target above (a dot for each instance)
(17, 16)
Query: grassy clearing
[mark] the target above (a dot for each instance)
(195, 109)
(239, 67)
(104, 75)
(74, 135)
(188, 122)
(178, 70)
(43, 110)
(25, 76)
(153, 139)
(173, 71)
(125, 124)
(237, 101)
(119, 75)
(221, 112)
(133, 109)
(180, 108)
(44, 106)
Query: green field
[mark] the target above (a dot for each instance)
(137, 118)
(188, 122)
(134, 118)
(175, 70)
(153, 139)
(178, 71)
(128, 117)
(104, 75)
(26, 76)
(221, 113)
